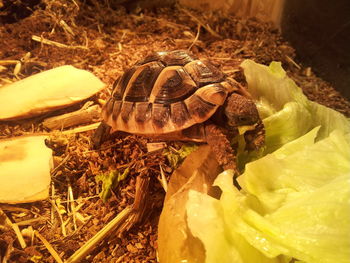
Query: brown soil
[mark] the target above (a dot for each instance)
(106, 40)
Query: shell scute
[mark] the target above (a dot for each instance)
(126, 111)
(120, 85)
(179, 113)
(160, 115)
(116, 109)
(213, 93)
(173, 84)
(203, 72)
(177, 57)
(171, 58)
(143, 112)
(141, 84)
(199, 109)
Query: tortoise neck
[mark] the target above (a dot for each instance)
(219, 118)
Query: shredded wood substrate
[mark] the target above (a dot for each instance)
(106, 40)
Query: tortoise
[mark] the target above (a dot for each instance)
(173, 95)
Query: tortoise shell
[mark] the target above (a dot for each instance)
(166, 92)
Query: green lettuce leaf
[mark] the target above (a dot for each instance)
(207, 221)
(299, 166)
(110, 180)
(294, 205)
(313, 227)
(286, 112)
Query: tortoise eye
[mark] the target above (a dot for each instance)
(243, 119)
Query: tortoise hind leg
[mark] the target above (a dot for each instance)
(101, 135)
(221, 147)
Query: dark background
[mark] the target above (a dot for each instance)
(320, 32)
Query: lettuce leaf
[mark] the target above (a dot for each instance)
(286, 112)
(299, 166)
(313, 227)
(222, 243)
(311, 224)
(294, 205)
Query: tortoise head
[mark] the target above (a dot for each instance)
(240, 111)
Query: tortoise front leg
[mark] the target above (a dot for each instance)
(255, 139)
(221, 147)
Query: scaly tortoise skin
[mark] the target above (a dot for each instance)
(173, 95)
